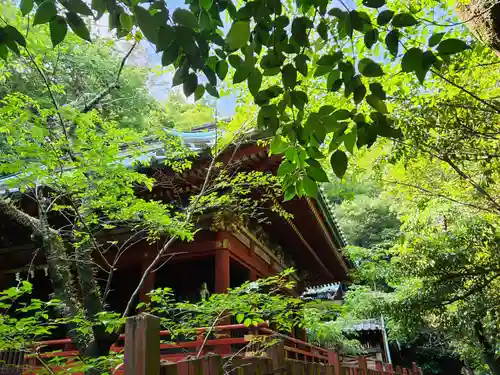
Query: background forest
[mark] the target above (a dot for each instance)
(389, 108)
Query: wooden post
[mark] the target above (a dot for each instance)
(415, 368)
(222, 277)
(362, 365)
(333, 360)
(388, 368)
(379, 367)
(277, 355)
(142, 345)
(212, 364)
(398, 370)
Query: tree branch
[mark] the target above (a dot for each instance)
(494, 107)
(440, 195)
(466, 177)
(112, 85)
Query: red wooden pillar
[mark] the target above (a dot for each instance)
(222, 280)
(222, 283)
(388, 368)
(252, 274)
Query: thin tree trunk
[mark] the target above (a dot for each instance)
(489, 355)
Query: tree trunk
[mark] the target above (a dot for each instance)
(62, 281)
(482, 18)
(489, 355)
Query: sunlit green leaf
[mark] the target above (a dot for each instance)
(238, 35)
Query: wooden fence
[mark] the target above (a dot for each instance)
(247, 353)
(142, 357)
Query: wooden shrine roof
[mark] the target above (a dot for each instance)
(313, 236)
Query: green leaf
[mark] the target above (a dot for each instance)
(206, 4)
(205, 20)
(190, 84)
(238, 35)
(222, 68)
(4, 52)
(239, 318)
(385, 17)
(301, 64)
(299, 99)
(185, 17)
(350, 141)
(371, 37)
(428, 59)
(338, 160)
(412, 60)
(291, 154)
(359, 93)
(359, 21)
(370, 68)
(199, 92)
(77, 25)
(235, 61)
(247, 322)
(15, 35)
(170, 55)
(376, 103)
(451, 46)
(289, 75)
(392, 42)
(45, 12)
(26, 6)
(310, 187)
(11, 43)
(166, 35)
(435, 39)
(285, 169)
(321, 70)
(278, 145)
(149, 24)
(373, 3)
(342, 114)
(404, 20)
(58, 30)
(289, 194)
(126, 21)
(99, 6)
(241, 73)
(180, 75)
(322, 30)
(212, 90)
(330, 60)
(377, 90)
(77, 6)
(333, 77)
(254, 81)
(317, 173)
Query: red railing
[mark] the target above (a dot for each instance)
(228, 340)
